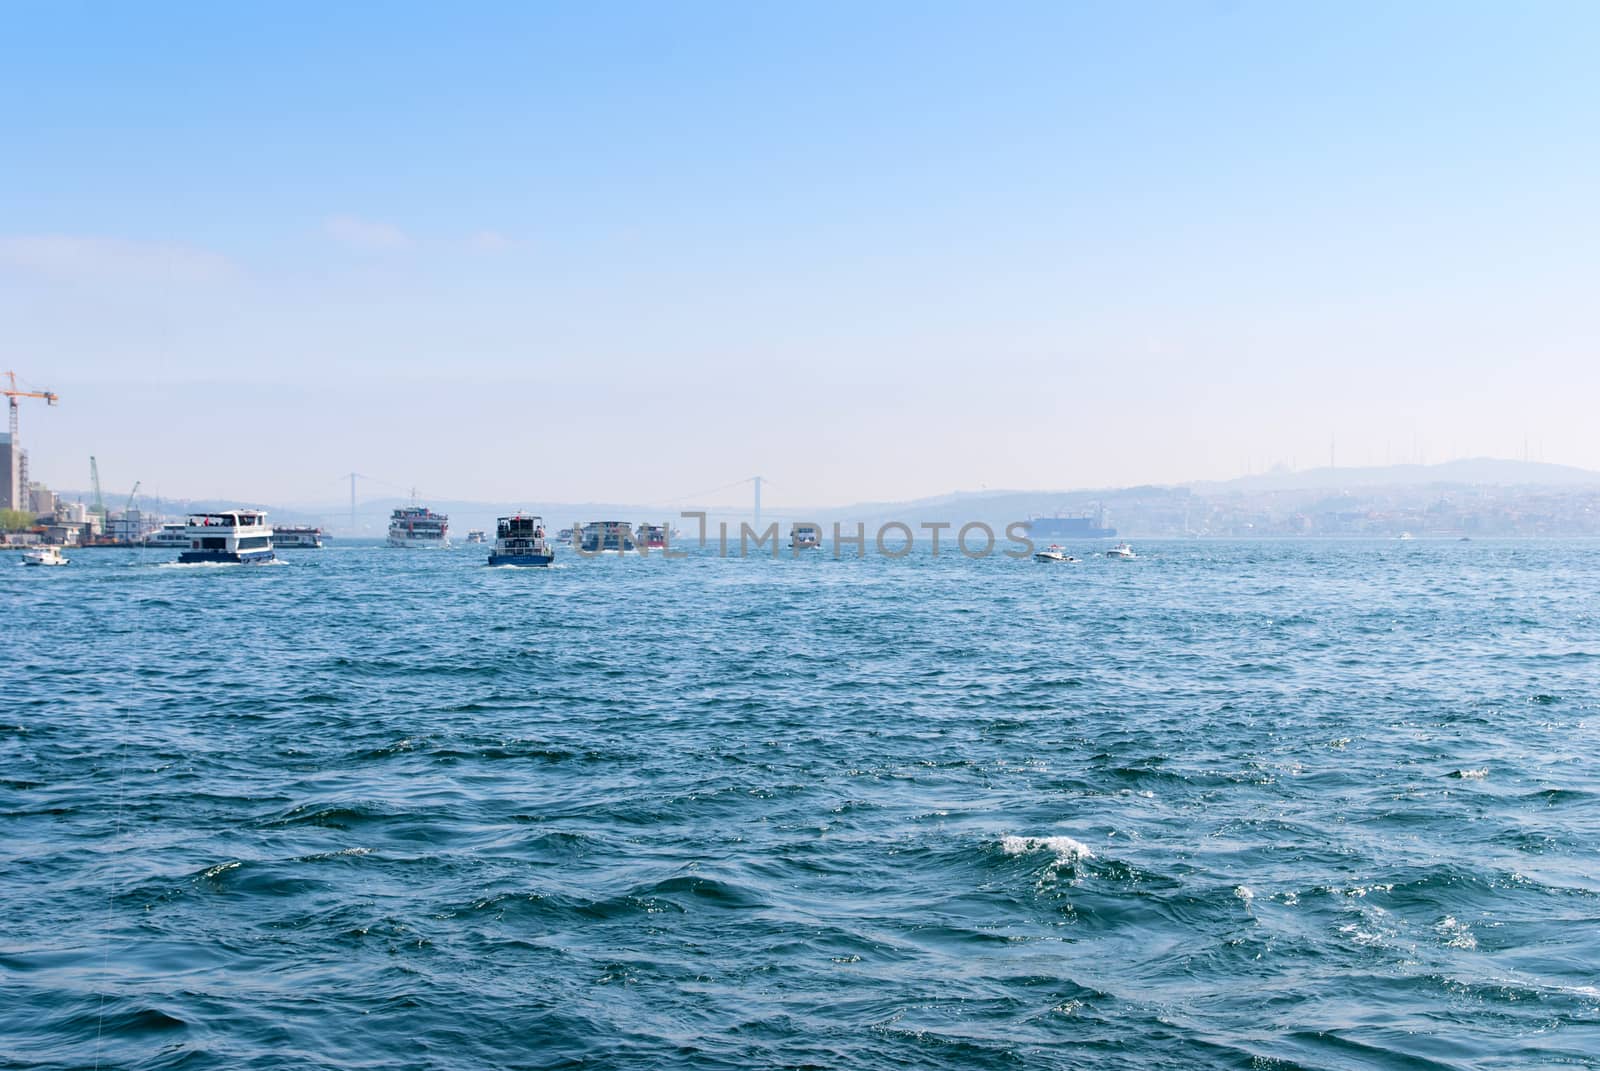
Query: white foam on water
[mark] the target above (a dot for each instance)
(1456, 934)
(217, 565)
(1066, 849)
(1472, 775)
(1243, 892)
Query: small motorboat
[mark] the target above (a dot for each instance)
(1121, 552)
(1053, 553)
(45, 555)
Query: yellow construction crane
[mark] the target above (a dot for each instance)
(20, 494)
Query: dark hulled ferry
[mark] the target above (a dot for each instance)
(519, 540)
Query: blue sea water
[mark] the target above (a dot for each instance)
(1235, 805)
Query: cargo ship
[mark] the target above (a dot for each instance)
(419, 528)
(1080, 527)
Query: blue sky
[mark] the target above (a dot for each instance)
(870, 251)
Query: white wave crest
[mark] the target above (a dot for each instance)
(1455, 934)
(1066, 849)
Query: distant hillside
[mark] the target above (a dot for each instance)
(1478, 471)
(1143, 508)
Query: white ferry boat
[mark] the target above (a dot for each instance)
(297, 537)
(235, 536)
(171, 536)
(805, 536)
(597, 536)
(48, 554)
(476, 536)
(519, 540)
(419, 527)
(651, 536)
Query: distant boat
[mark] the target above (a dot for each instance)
(1053, 553)
(419, 527)
(1072, 527)
(476, 536)
(298, 536)
(49, 554)
(805, 536)
(651, 536)
(519, 540)
(597, 536)
(1403, 536)
(1121, 552)
(172, 536)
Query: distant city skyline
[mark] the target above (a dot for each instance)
(869, 253)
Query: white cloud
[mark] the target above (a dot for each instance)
(81, 259)
(370, 235)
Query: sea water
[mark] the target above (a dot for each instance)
(1249, 805)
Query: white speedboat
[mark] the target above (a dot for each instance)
(49, 554)
(1121, 552)
(1053, 553)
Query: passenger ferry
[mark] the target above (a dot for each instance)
(519, 540)
(596, 536)
(172, 536)
(805, 536)
(419, 527)
(476, 536)
(235, 536)
(297, 537)
(651, 536)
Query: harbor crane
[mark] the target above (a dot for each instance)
(19, 494)
(99, 507)
(127, 508)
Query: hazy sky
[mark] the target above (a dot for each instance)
(571, 252)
